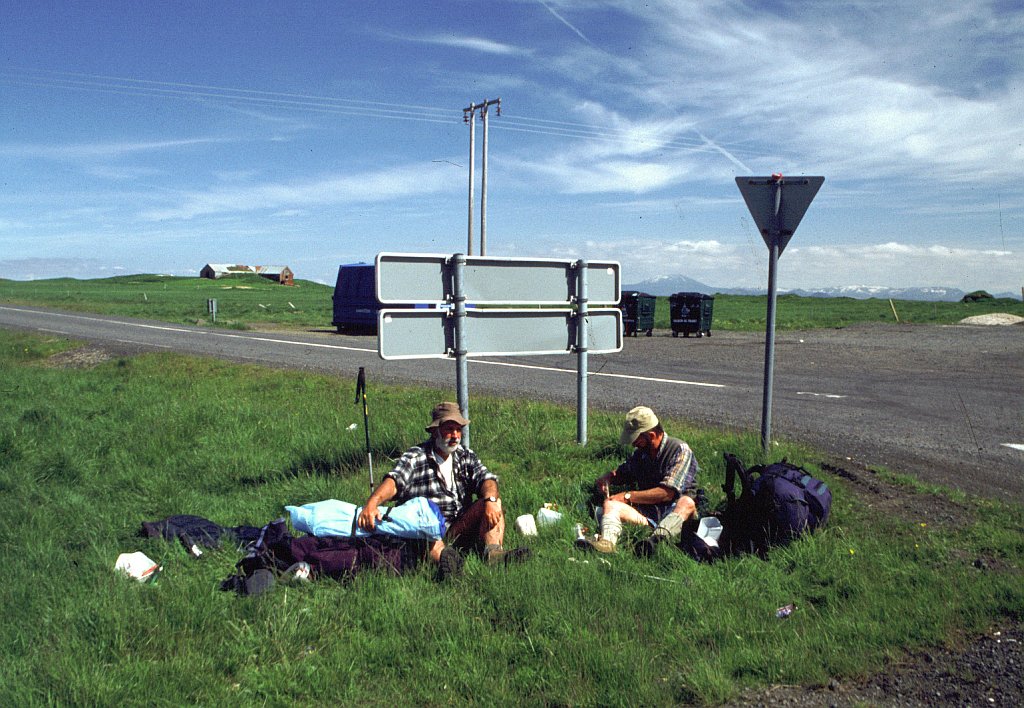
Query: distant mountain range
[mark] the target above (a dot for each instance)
(666, 285)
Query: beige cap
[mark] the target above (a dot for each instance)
(639, 420)
(443, 412)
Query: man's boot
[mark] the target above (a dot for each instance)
(668, 529)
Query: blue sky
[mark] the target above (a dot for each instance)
(157, 137)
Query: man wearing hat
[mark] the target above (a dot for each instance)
(448, 474)
(661, 480)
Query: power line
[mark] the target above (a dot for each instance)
(343, 106)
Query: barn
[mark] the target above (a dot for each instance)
(279, 274)
(215, 271)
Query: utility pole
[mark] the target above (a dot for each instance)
(483, 177)
(468, 116)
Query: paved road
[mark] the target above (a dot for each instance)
(941, 403)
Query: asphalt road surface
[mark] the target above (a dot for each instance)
(942, 403)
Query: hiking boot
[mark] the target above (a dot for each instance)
(646, 548)
(506, 558)
(602, 545)
(450, 564)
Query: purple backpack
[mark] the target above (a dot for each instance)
(777, 503)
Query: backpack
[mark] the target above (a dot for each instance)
(777, 506)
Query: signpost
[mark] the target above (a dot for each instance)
(560, 323)
(777, 205)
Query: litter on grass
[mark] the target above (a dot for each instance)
(138, 566)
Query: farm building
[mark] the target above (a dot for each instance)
(215, 271)
(279, 274)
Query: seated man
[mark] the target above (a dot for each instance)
(662, 477)
(448, 474)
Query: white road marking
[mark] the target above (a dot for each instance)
(166, 328)
(599, 373)
(823, 395)
(143, 344)
(1015, 446)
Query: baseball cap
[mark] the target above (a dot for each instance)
(639, 420)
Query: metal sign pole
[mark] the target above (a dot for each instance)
(461, 367)
(582, 337)
(774, 233)
(769, 352)
(777, 220)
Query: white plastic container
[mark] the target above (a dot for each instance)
(548, 517)
(526, 525)
(137, 565)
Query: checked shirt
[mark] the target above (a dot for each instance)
(675, 467)
(416, 475)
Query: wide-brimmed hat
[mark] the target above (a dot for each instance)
(442, 413)
(639, 420)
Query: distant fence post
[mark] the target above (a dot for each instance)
(211, 307)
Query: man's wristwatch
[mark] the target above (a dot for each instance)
(627, 497)
(491, 499)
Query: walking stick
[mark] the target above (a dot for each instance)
(361, 390)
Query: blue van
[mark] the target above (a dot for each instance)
(355, 299)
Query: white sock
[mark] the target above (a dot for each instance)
(611, 528)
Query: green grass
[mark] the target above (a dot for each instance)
(244, 301)
(87, 455)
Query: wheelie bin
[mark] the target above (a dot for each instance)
(691, 314)
(637, 312)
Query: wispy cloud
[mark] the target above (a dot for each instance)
(381, 186)
(855, 90)
(82, 151)
(476, 44)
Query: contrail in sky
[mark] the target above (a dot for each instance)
(565, 22)
(728, 155)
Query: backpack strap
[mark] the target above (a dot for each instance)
(733, 468)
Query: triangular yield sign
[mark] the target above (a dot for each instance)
(797, 194)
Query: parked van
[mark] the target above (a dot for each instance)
(355, 300)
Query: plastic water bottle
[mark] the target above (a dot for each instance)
(581, 538)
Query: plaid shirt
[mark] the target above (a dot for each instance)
(675, 467)
(416, 475)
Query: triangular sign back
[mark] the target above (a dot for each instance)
(797, 195)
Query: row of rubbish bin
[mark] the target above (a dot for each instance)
(691, 313)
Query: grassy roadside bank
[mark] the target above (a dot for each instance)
(88, 453)
(248, 301)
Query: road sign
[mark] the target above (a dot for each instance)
(425, 334)
(778, 204)
(428, 278)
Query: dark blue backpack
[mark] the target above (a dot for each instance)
(777, 503)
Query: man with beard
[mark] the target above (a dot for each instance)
(448, 474)
(660, 479)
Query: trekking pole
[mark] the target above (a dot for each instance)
(361, 390)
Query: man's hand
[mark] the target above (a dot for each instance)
(368, 517)
(603, 483)
(492, 512)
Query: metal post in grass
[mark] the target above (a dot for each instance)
(777, 218)
(581, 352)
(461, 367)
